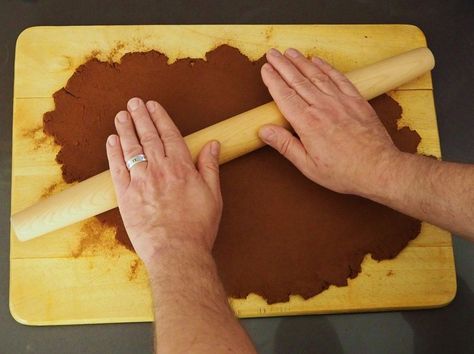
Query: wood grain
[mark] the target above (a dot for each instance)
(63, 278)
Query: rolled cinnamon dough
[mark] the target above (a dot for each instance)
(280, 233)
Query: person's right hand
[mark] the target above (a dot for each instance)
(341, 143)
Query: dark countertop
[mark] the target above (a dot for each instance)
(448, 26)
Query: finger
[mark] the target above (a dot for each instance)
(208, 166)
(291, 105)
(118, 170)
(173, 142)
(285, 143)
(293, 77)
(314, 74)
(146, 130)
(128, 139)
(339, 79)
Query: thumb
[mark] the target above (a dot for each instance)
(208, 166)
(285, 143)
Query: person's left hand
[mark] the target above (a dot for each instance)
(165, 202)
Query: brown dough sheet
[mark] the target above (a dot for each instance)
(280, 233)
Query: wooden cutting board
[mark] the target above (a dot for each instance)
(66, 278)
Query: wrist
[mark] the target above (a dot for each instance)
(388, 178)
(174, 250)
(184, 270)
(151, 243)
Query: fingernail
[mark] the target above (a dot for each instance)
(267, 67)
(215, 147)
(151, 106)
(133, 103)
(122, 116)
(292, 53)
(112, 140)
(274, 52)
(267, 134)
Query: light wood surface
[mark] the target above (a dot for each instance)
(238, 136)
(62, 279)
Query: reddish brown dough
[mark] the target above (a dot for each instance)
(280, 234)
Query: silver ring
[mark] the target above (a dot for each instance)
(134, 160)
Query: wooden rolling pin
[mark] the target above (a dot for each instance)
(237, 135)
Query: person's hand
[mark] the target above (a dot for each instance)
(341, 143)
(165, 202)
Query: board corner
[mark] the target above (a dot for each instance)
(448, 296)
(26, 34)
(416, 30)
(17, 315)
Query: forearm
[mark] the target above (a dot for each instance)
(441, 193)
(192, 314)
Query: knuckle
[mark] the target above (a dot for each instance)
(148, 138)
(300, 82)
(319, 78)
(113, 153)
(132, 151)
(170, 134)
(326, 66)
(178, 172)
(343, 80)
(139, 184)
(117, 171)
(212, 167)
(158, 173)
(285, 145)
(359, 100)
(313, 113)
(289, 95)
(334, 72)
